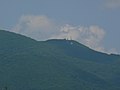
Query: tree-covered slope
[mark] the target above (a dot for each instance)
(77, 50)
(26, 64)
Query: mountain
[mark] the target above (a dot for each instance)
(57, 64)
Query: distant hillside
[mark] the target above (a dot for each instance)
(26, 64)
(77, 50)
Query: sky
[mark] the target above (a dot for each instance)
(94, 23)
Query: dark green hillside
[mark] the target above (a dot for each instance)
(26, 64)
(77, 50)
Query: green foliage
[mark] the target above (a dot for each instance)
(26, 64)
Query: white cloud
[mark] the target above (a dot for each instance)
(43, 28)
(111, 4)
(90, 36)
(67, 32)
(37, 27)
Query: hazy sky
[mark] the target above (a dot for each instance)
(95, 23)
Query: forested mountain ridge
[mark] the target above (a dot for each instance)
(27, 64)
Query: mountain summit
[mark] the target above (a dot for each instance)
(57, 64)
